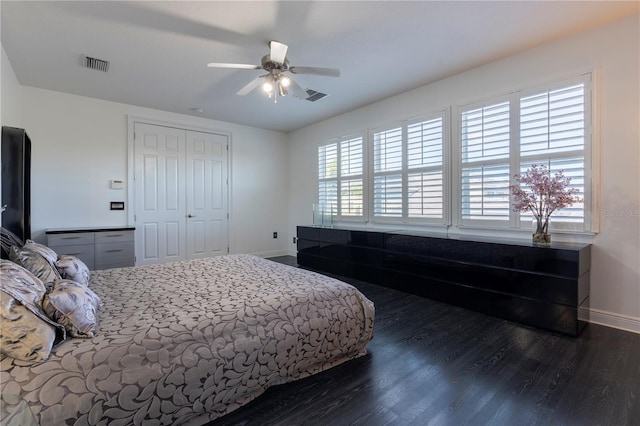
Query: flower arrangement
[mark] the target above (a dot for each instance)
(546, 194)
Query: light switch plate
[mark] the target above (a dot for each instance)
(116, 184)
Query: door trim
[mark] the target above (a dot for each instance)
(131, 121)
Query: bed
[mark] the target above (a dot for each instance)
(187, 342)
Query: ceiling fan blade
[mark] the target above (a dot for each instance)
(278, 51)
(296, 90)
(327, 72)
(240, 66)
(252, 85)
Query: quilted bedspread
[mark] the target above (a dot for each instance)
(187, 342)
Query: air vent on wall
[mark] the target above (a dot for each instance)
(95, 63)
(314, 95)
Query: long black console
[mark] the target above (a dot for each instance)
(545, 287)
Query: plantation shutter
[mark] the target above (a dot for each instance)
(410, 177)
(552, 132)
(351, 173)
(485, 177)
(425, 187)
(327, 178)
(387, 173)
(552, 122)
(341, 178)
(328, 161)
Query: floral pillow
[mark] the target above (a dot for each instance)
(74, 306)
(35, 263)
(72, 268)
(44, 251)
(26, 333)
(21, 284)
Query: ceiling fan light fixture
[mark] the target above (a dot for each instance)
(267, 87)
(274, 83)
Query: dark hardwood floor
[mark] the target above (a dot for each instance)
(434, 364)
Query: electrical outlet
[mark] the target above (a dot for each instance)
(295, 240)
(275, 235)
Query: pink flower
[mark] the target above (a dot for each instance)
(546, 193)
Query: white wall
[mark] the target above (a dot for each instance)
(614, 51)
(10, 94)
(80, 143)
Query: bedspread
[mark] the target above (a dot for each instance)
(187, 342)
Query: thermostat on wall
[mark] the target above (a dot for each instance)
(116, 184)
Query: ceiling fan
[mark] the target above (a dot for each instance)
(276, 82)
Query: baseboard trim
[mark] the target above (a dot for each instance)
(274, 253)
(619, 321)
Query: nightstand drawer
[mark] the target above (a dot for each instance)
(98, 248)
(114, 237)
(112, 255)
(83, 252)
(70, 239)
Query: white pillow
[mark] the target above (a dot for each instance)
(74, 306)
(72, 268)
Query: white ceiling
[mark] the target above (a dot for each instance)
(158, 51)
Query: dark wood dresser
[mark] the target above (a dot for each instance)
(545, 287)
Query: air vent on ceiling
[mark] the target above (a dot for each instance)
(314, 95)
(95, 63)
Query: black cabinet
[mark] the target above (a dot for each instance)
(16, 181)
(546, 287)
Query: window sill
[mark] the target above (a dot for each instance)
(559, 235)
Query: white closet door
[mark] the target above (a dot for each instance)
(206, 194)
(160, 206)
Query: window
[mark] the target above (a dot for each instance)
(506, 136)
(328, 178)
(341, 172)
(351, 167)
(403, 173)
(387, 173)
(408, 173)
(425, 155)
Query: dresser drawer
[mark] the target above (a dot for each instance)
(114, 237)
(70, 239)
(83, 252)
(113, 255)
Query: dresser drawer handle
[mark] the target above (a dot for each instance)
(113, 251)
(72, 254)
(70, 238)
(114, 235)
